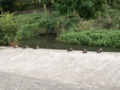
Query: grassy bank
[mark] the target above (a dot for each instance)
(102, 31)
(92, 37)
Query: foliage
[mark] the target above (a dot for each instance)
(25, 32)
(70, 29)
(35, 24)
(113, 3)
(92, 37)
(7, 5)
(30, 25)
(110, 19)
(85, 8)
(39, 23)
(7, 28)
(45, 1)
(12, 5)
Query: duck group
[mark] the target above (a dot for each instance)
(85, 50)
(69, 50)
(26, 46)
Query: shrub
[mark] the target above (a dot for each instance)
(85, 9)
(92, 37)
(8, 28)
(70, 22)
(51, 24)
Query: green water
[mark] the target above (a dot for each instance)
(48, 42)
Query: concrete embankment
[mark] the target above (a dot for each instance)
(92, 71)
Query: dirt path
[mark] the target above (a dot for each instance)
(33, 11)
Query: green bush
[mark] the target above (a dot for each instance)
(68, 29)
(55, 14)
(25, 32)
(8, 28)
(51, 24)
(85, 8)
(70, 22)
(92, 37)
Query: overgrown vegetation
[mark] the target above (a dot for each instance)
(92, 37)
(95, 28)
(8, 28)
(85, 8)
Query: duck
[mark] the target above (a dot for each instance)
(70, 49)
(101, 49)
(25, 47)
(16, 46)
(85, 51)
(37, 47)
(98, 51)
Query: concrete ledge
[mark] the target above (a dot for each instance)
(90, 70)
(2, 47)
(10, 81)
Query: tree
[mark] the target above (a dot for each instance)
(7, 5)
(85, 8)
(113, 3)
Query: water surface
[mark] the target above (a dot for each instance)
(48, 42)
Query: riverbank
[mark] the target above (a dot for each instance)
(90, 70)
(72, 30)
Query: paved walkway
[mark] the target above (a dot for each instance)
(92, 71)
(10, 81)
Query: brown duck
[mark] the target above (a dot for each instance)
(70, 49)
(85, 51)
(25, 47)
(37, 47)
(100, 50)
(16, 46)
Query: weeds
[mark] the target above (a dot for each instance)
(69, 29)
(8, 26)
(92, 37)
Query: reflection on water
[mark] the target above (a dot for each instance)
(49, 42)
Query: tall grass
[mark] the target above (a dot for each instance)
(8, 28)
(92, 37)
(69, 29)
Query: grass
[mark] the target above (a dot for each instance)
(68, 29)
(92, 37)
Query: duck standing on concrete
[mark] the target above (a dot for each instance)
(25, 47)
(100, 50)
(37, 47)
(16, 46)
(70, 49)
(85, 51)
